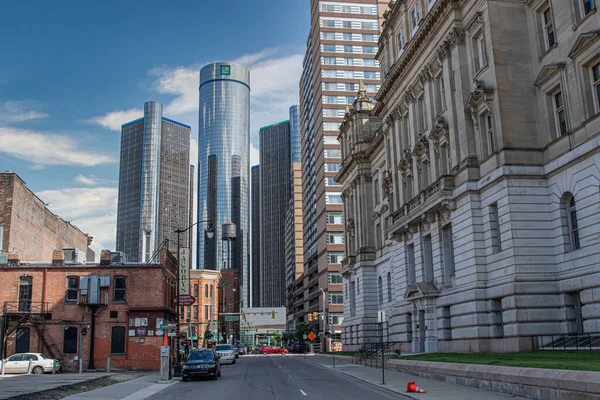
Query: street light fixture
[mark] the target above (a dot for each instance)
(210, 232)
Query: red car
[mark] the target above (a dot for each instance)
(273, 350)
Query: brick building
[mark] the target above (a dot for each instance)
(30, 229)
(204, 286)
(117, 310)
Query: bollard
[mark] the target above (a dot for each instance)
(334, 359)
(53, 367)
(2, 367)
(29, 367)
(80, 365)
(108, 364)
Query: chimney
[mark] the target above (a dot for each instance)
(13, 259)
(105, 257)
(58, 257)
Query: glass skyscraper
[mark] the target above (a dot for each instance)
(223, 164)
(154, 184)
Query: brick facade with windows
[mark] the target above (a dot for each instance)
(129, 302)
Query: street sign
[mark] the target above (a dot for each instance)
(186, 300)
(184, 272)
(172, 325)
(164, 326)
(232, 318)
(312, 336)
(172, 334)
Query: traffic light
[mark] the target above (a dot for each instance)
(309, 317)
(315, 317)
(273, 314)
(244, 317)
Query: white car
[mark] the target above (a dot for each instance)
(226, 353)
(19, 364)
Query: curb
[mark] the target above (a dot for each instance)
(408, 396)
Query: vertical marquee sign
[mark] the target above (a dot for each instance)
(184, 271)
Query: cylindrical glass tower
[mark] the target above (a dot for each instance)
(223, 151)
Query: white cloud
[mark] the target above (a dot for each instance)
(93, 210)
(43, 149)
(86, 180)
(19, 111)
(254, 155)
(181, 82)
(250, 59)
(114, 119)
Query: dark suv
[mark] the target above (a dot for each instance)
(201, 362)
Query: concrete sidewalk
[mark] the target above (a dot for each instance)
(17, 385)
(396, 382)
(136, 389)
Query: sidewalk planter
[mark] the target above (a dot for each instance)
(532, 383)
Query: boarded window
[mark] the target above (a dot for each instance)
(117, 340)
(70, 340)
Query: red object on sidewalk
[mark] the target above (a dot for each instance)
(412, 388)
(165, 339)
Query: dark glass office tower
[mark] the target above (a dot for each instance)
(154, 184)
(255, 280)
(223, 151)
(275, 184)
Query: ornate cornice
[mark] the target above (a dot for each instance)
(547, 72)
(475, 24)
(479, 95)
(584, 41)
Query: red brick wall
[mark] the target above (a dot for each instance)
(148, 289)
(29, 227)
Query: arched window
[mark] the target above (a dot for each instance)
(389, 286)
(196, 290)
(205, 290)
(380, 291)
(570, 227)
(212, 293)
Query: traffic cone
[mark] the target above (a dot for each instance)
(165, 339)
(412, 388)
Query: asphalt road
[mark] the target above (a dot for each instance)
(276, 378)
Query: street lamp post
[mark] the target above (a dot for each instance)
(324, 320)
(210, 232)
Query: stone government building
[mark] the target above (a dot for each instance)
(472, 186)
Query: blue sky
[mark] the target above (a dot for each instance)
(71, 72)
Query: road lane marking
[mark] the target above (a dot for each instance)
(302, 391)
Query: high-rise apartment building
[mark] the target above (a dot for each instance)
(340, 53)
(254, 284)
(223, 151)
(154, 184)
(274, 200)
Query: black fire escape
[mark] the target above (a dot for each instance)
(29, 314)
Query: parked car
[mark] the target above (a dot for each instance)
(201, 362)
(240, 350)
(296, 348)
(19, 364)
(226, 353)
(273, 350)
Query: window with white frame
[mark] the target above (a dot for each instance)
(335, 217)
(329, 181)
(332, 167)
(330, 140)
(333, 198)
(348, 61)
(369, 62)
(583, 8)
(479, 54)
(329, 47)
(333, 112)
(335, 257)
(596, 85)
(328, 35)
(401, 42)
(334, 278)
(333, 153)
(570, 225)
(560, 115)
(330, 99)
(548, 27)
(337, 318)
(369, 49)
(331, 126)
(414, 17)
(329, 61)
(336, 298)
(486, 129)
(330, 23)
(348, 49)
(370, 75)
(335, 237)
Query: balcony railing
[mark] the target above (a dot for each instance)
(25, 307)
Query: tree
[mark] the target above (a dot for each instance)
(301, 330)
(276, 339)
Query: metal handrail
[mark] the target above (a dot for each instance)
(569, 342)
(25, 307)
